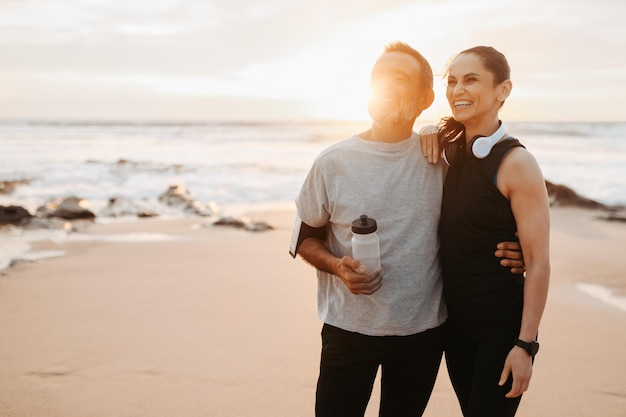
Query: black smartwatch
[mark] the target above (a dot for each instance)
(531, 347)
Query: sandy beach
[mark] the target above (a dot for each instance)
(217, 321)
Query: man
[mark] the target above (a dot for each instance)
(393, 316)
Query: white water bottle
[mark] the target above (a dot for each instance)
(365, 242)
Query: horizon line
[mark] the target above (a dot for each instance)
(232, 121)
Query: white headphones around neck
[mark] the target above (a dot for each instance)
(482, 145)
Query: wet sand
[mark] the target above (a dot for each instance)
(218, 321)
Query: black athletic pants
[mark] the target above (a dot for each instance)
(349, 364)
(475, 365)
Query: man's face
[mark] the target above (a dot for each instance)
(394, 89)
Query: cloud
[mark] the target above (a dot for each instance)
(297, 49)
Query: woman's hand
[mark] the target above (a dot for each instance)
(519, 363)
(430, 143)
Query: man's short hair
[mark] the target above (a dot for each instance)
(427, 71)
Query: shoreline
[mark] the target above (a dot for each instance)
(19, 242)
(607, 285)
(222, 321)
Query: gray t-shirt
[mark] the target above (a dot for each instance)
(395, 185)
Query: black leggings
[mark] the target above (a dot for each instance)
(350, 362)
(475, 366)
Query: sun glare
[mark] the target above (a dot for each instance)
(333, 75)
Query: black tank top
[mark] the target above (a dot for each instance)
(480, 293)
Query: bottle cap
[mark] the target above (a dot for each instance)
(364, 225)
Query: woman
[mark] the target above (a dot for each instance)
(493, 188)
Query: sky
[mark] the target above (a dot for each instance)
(251, 60)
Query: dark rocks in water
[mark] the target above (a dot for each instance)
(53, 215)
(243, 223)
(178, 196)
(52, 223)
(616, 217)
(19, 216)
(229, 221)
(14, 215)
(257, 226)
(18, 261)
(7, 187)
(149, 166)
(119, 207)
(145, 214)
(562, 196)
(615, 214)
(69, 208)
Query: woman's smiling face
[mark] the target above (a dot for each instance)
(472, 92)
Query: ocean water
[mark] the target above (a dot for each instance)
(228, 163)
(587, 157)
(244, 164)
(249, 163)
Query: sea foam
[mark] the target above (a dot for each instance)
(603, 294)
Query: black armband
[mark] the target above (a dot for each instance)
(302, 231)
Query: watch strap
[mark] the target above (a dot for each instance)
(530, 347)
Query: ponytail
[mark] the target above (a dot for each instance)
(450, 130)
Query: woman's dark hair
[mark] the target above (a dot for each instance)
(493, 60)
(449, 130)
(496, 63)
